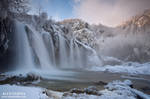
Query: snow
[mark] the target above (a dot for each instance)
(130, 67)
(20, 92)
(113, 90)
(122, 90)
(106, 58)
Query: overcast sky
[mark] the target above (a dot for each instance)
(107, 12)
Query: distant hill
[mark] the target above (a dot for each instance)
(138, 23)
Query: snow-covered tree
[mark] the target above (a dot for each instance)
(19, 6)
(13, 6)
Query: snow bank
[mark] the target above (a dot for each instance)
(122, 90)
(130, 67)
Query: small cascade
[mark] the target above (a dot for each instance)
(78, 56)
(24, 53)
(41, 50)
(50, 47)
(72, 62)
(63, 57)
(75, 55)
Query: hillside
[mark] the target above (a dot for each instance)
(138, 23)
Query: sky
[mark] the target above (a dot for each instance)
(57, 9)
(106, 12)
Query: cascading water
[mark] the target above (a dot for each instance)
(63, 57)
(50, 47)
(24, 53)
(37, 49)
(40, 49)
(78, 56)
(71, 53)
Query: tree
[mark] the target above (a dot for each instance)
(41, 20)
(13, 6)
(19, 6)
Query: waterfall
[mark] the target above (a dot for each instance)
(78, 56)
(75, 57)
(50, 47)
(40, 49)
(36, 49)
(71, 53)
(24, 53)
(63, 58)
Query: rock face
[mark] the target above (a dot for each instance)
(7, 42)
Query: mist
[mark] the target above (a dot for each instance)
(109, 12)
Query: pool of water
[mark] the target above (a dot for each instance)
(69, 79)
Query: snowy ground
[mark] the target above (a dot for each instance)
(20, 92)
(113, 90)
(130, 68)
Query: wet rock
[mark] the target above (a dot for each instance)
(32, 77)
(101, 83)
(77, 91)
(91, 90)
(20, 79)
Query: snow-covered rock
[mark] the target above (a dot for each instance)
(122, 90)
(113, 90)
(129, 68)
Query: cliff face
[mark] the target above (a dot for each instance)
(7, 42)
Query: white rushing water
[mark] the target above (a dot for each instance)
(72, 57)
(50, 47)
(41, 51)
(63, 57)
(38, 50)
(24, 53)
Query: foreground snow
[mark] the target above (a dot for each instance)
(130, 67)
(113, 90)
(20, 92)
